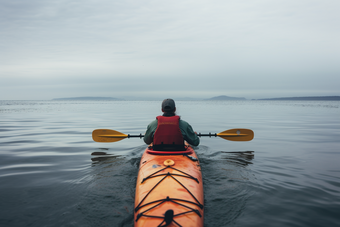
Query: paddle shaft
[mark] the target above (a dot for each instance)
(140, 136)
(198, 134)
(108, 135)
(210, 134)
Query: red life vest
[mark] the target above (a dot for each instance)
(168, 136)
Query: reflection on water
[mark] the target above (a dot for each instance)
(104, 158)
(239, 157)
(102, 153)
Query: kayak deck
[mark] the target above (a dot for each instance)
(169, 190)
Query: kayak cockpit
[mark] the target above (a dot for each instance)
(187, 150)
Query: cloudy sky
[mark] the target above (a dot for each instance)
(162, 48)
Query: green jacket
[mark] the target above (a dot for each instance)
(188, 133)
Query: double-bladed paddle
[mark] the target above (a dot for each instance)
(236, 134)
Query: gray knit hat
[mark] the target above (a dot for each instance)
(168, 105)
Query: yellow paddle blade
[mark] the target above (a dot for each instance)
(237, 134)
(107, 135)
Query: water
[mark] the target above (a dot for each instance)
(48, 176)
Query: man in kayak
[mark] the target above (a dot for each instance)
(168, 132)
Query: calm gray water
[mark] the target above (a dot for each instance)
(48, 176)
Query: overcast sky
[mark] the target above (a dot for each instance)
(169, 48)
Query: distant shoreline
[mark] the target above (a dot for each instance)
(224, 98)
(88, 99)
(217, 98)
(309, 98)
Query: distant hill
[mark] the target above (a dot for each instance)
(310, 98)
(223, 97)
(88, 99)
(188, 99)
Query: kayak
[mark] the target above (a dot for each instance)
(169, 189)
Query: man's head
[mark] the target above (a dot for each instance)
(168, 106)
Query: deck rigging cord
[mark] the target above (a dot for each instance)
(167, 216)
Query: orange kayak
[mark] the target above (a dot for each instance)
(169, 190)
